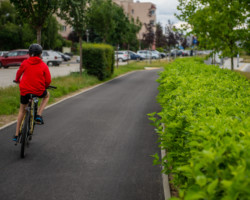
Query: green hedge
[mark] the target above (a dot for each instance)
(98, 60)
(204, 127)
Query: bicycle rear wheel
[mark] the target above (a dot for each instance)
(24, 134)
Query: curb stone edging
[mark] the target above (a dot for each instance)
(166, 187)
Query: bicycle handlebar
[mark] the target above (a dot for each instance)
(49, 87)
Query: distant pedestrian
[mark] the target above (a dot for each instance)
(191, 52)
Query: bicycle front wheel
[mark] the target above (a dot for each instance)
(24, 134)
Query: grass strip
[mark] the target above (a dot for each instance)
(10, 97)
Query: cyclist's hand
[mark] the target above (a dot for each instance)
(17, 82)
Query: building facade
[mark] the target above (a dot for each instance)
(145, 12)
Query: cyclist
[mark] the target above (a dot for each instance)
(34, 77)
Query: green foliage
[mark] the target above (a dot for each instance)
(7, 13)
(218, 24)
(109, 22)
(74, 13)
(204, 128)
(161, 39)
(36, 12)
(50, 35)
(18, 33)
(160, 49)
(98, 60)
(10, 36)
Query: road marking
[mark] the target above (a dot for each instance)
(243, 66)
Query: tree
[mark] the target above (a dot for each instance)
(74, 13)
(100, 18)
(50, 34)
(131, 36)
(36, 12)
(172, 35)
(218, 24)
(160, 39)
(107, 20)
(149, 35)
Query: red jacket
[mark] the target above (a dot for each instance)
(35, 76)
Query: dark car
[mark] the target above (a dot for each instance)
(163, 55)
(64, 56)
(134, 56)
(14, 58)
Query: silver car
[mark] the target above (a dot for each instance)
(51, 58)
(122, 56)
(145, 54)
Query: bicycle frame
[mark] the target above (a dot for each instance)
(28, 123)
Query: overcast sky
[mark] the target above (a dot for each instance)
(165, 10)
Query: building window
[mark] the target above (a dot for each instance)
(132, 11)
(152, 22)
(63, 28)
(152, 12)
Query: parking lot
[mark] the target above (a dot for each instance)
(8, 75)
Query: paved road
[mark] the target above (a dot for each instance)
(95, 146)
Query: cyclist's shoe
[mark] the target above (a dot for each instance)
(39, 120)
(15, 138)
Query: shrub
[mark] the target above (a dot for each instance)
(98, 60)
(206, 117)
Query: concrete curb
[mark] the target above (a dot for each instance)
(166, 187)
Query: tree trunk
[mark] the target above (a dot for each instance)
(128, 55)
(117, 48)
(150, 54)
(80, 42)
(38, 35)
(232, 63)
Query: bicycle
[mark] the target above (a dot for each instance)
(28, 123)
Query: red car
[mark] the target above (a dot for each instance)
(14, 58)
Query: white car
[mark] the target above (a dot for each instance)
(2, 53)
(122, 56)
(78, 59)
(51, 58)
(147, 54)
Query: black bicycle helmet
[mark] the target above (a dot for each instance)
(35, 50)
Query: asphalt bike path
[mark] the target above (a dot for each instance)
(96, 145)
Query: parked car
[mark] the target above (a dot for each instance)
(78, 59)
(121, 56)
(2, 53)
(176, 52)
(69, 54)
(134, 56)
(64, 56)
(51, 58)
(185, 53)
(14, 58)
(145, 54)
(161, 55)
